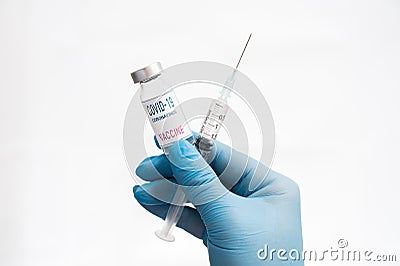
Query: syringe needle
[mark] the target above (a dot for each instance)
(244, 49)
(231, 80)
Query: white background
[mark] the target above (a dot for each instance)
(329, 70)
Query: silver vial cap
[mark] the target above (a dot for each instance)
(146, 73)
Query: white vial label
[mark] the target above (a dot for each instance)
(166, 118)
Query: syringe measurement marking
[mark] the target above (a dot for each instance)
(210, 124)
(219, 105)
(215, 115)
(217, 120)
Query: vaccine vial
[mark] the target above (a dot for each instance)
(162, 107)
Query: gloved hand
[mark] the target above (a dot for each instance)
(241, 226)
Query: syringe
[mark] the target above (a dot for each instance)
(204, 143)
(216, 115)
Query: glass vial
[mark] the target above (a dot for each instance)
(162, 107)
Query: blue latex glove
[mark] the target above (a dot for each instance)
(236, 226)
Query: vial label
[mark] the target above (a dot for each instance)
(166, 118)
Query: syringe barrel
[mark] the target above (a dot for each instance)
(215, 117)
(210, 128)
